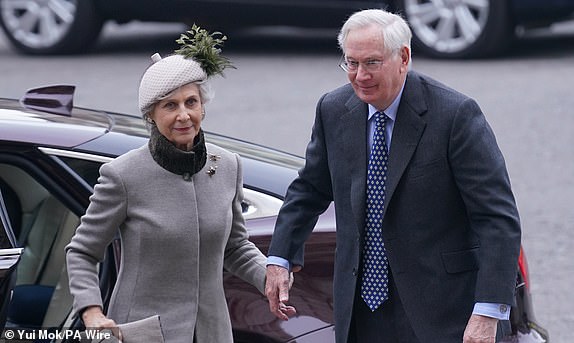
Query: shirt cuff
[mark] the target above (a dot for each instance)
(498, 311)
(278, 261)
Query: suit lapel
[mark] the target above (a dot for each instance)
(408, 129)
(355, 137)
(407, 132)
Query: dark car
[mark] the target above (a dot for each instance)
(50, 154)
(446, 29)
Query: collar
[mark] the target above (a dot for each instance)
(177, 161)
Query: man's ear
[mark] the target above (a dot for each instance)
(405, 54)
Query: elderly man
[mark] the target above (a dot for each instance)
(428, 233)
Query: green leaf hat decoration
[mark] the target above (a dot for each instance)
(204, 47)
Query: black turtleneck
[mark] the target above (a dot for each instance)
(177, 161)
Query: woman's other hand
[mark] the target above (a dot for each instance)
(94, 318)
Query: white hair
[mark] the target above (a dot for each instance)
(394, 29)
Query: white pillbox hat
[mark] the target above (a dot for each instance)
(165, 75)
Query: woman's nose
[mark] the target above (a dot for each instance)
(183, 114)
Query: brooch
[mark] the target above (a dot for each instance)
(213, 158)
(211, 170)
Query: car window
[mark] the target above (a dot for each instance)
(45, 226)
(7, 215)
(87, 170)
(84, 165)
(9, 256)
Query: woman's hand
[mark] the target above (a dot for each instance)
(94, 318)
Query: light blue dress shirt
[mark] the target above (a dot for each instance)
(498, 311)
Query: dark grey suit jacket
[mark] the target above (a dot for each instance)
(451, 226)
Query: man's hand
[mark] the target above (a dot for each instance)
(480, 329)
(277, 286)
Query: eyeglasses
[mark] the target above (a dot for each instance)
(370, 66)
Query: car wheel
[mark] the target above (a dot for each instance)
(458, 28)
(50, 26)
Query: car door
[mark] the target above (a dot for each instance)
(9, 257)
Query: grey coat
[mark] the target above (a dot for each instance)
(177, 237)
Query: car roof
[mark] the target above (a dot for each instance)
(32, 126)
(112, 134)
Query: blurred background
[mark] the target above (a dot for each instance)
(525, 92)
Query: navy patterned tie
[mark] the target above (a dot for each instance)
(375, 281)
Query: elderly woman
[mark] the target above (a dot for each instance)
(177, 205)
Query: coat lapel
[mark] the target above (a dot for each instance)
(408, 129)
(356, 151)
(407, 132)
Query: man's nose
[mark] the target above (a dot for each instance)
(362, 73)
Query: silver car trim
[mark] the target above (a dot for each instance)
(75, 154)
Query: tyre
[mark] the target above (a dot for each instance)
(43, 27)
(458, 28)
